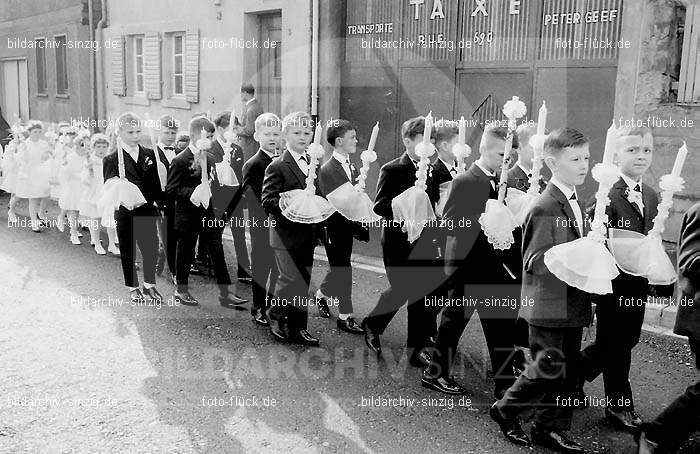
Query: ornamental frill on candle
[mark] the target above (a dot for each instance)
(586, 263)
(497, 221)
(304, 205)
(351, 201)
(412, 207)
(645, 255)
(202, 193)
(520, 203)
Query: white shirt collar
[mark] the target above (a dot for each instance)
(340, 157)
(223, 143)
(193, 148)
(448, 165)
(483, 169)
(564, 188)
(630, 182)
(249, 101)
(295, 155)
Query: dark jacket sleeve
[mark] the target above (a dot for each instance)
(538, 238)
(272, 186)
(109, 166)
(385, 194)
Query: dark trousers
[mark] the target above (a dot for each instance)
(498, 324)
(681, 418)
(186, 243)
(617, 332)
(237, 223)
(264, 268)
(410, 282)
(291, 302)
(338, 280)
(548, 379)
(168, 237)
(134, 227)
(215, 248)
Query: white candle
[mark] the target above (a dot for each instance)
(609, 152)
(680, 160)
(428, 128)
(462, 131)
(373, 137)
(541, 119)
(317, 134)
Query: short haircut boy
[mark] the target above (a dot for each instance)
(339, 128)
(268, 119)
(524, 132)
(168, 122)
(199, 123)
(248, 88)
(412, 128)
(297, 120)
(128, 119)
(34, 124)
(223, 120)
(640, 131)
(562, 138)
(444, 131)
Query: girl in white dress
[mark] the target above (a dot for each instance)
(64, 146)
(93, 180)
(32, 173)
(10, 169)
(72, 186)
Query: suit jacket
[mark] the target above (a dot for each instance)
(547, 301)
(468, 252)
(225, 199)
(518, 179)
(252, 111)
(623, 214)
(282, 175)
(143, 173)
(182, 181)
(332, 176)
(441, 175)
(394, 178)
(688, 316)
(252, 183)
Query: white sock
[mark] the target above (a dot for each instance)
(345, 316)
(147, 285)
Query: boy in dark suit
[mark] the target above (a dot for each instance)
(137, 226)
(477, 272)
(406, 263)
(192, 220)
(267, 132)
(292, 242)
(165, 152)
(336, 171)
(555, 311)
(620, 314)
(679, 420)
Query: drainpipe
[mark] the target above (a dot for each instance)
(314, 58)
(100, 89)
(93, 56)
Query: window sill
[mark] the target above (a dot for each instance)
(176, 103)
(42, 95)
(62, 96)
(137, 100)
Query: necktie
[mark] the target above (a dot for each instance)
(639, 202)
(304, 164)
(453, 171)
(169, 148)
(494, 182)
(415, 163)
(573, 201)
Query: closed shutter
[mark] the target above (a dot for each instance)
(192, 66)
(151, 65)
(118, 69)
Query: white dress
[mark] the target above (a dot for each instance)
(92, 182)
(71, 183)
(59, 154)
(9, 168)
(32, 175)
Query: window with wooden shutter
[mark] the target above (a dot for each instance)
(151, 56)
(689, 81)
(192, 66)
(118, 68)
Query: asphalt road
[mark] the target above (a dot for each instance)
(82, 370)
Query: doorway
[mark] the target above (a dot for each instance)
(270, 59)
(14, 86)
